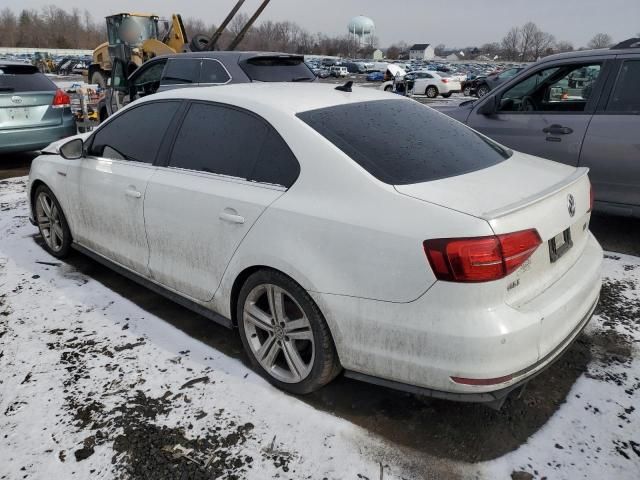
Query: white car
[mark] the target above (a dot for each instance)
(337, 71)
(427, 259)
(432, 83)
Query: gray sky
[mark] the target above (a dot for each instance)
(452, 22)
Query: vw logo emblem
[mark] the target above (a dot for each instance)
(571, 205)
(17, 99)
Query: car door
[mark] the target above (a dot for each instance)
(611, 147)
(226, 166)
(106, 188)
(547, 111)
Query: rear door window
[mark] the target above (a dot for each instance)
(626, 94)
(403, 142)
(135, 134)
(213, 72)
(277, 69)
(181, 71)
(23, 78)
(228, 141)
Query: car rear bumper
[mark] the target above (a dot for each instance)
(35, 138)
(420, 346)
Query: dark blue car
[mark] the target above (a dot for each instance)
(375, 77)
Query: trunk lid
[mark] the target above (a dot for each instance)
(520, 193)
(26, 96)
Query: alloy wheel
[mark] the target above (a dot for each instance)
(49, 221)
(278, 333)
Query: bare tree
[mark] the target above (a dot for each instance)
(393, 52)
(563, 46)
(511, 44)
(491, 49)
(440, 49)
(542, 44)
(600, 40)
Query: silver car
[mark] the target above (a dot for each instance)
(579, 108)
(33, 111)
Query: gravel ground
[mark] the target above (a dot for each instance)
(100, 378)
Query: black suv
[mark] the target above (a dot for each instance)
(201, 69)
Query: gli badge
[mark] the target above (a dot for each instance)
(16, 99)
(571, 205)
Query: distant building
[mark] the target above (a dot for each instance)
(421, 51)
(377, 54)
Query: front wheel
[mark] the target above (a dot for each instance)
(482, 90)
(51, 222)
(285, 334)
(466, 91)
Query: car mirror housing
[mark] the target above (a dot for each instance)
(488, 107)
(72, 150)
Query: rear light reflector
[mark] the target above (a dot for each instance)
(482, 381)
(591, 197)
(445, 80)
(61, 100)
(480, 259)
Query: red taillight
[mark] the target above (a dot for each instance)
(480, 259)
(444, 80)
(591, 197)
(61, 100)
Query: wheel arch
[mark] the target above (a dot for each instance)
(34, 186)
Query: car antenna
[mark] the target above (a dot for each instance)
(346, 87)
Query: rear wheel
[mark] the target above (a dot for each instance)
(446, 95)
(51, 222)
(285, 334)
(97, 78)
(431, 91)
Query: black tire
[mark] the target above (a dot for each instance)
(446, 95)
(466, 91)
(482, 90)
(65, 243)
(97, 78)
(431, 92)
(325, 363)
(388, 88)
(199, 43)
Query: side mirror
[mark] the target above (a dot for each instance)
(489, 107)
(72, 150)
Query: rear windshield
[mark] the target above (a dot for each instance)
(23, 78)
(402, 142)
(277, 69)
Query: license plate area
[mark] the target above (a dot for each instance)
(18, 114)
(559, 245)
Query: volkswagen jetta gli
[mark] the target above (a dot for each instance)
(415, 253)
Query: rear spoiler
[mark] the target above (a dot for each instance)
(575, 177)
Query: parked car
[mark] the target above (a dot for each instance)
(579, 108)
(338, 71)
(322, 73)
(432, 83)
(375, 77)
(33, 111)
(484, 85)
(202, 69)
(267, 208)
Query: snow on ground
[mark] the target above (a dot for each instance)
(93, 386)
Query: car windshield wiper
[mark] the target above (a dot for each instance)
(301, 79)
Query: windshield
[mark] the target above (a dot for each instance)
(402, 142)
(131, 31)
(277, 69)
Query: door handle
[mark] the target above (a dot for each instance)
(557, 130)
(131, 192)
(231, 216)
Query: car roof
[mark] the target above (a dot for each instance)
(220, 54)
(589, 53)
(287, 97)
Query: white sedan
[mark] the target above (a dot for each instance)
(432, 84)
(427, 259)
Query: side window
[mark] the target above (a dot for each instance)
(565, 88)
(276, 163)
(135, 134)
(219, 140)
(181, 71)
(626, 94)
(212, 71)
(147, 81)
